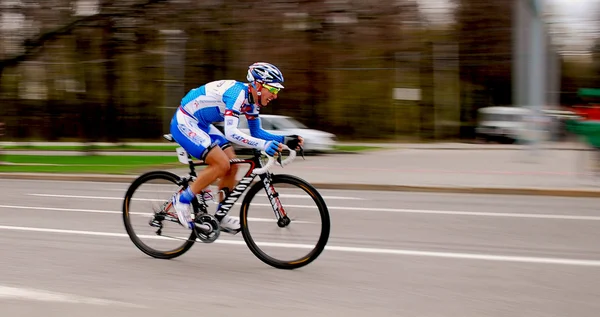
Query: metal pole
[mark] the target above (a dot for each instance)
(537, 72)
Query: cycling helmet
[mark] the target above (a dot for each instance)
(265, 73)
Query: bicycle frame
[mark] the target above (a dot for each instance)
(242, 185)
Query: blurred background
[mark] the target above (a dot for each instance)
(417, 70)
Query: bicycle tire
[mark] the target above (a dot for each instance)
(325, 223)
(153, 175)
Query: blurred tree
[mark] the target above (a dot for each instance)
(341, 60)
(484, 32)
(595, 51)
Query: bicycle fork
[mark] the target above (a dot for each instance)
(282, 219)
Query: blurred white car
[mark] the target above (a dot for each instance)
(314, 140)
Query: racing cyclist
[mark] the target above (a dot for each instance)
(224, 101)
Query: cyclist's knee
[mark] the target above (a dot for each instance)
(218, 160)
(233, 169)
(223, 166)
(231, 155)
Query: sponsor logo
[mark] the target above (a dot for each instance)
(234, 196)
(244, 140)
(192, 136)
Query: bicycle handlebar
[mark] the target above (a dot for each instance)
(271, 161)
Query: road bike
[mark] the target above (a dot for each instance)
(206, 227)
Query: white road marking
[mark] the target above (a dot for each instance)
(93, 197)
(451, 213)
(306, 196)
(13, 293)
(147, 214)
(281, 192)
(451, 255)
(412, 211)
(260, 195)
(65, 209)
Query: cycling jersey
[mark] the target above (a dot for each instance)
(218, 101)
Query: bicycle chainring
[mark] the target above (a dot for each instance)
(207, 236)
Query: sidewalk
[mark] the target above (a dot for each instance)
(550, 172)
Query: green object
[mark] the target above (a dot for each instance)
(589, 92)
(122, 148)
(589, 130)
(85, 164)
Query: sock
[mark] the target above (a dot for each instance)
(186, 196)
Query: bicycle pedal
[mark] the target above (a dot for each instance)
(232, 232)
(155, 223)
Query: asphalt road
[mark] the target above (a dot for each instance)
(64, 251)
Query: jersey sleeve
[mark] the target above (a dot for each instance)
(256, 130)
(233, 134)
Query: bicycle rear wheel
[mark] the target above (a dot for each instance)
(147, 202)
(298, 199)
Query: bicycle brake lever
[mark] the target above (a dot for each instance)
(279, 159)
(302, 152)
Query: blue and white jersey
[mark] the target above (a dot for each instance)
(225, 100)
(209, 102)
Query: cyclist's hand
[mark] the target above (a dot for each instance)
(272, 147)
(293, 141)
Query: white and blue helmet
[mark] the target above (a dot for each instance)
(265, 73)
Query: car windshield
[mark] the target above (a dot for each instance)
(289, 123)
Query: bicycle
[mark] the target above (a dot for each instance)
(206, 227)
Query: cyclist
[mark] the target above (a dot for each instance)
(224, 100)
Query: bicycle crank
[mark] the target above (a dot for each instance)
(207, 228)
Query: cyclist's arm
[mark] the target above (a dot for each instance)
(257, 131)
(231, 121)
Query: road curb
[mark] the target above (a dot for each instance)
(399, 188)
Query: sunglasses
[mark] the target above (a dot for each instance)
(272, 90)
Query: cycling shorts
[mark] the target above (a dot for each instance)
(196, 138)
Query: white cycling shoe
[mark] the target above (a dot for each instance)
(184, 212)
(230, 225)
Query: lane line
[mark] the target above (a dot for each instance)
(119, 212)
(451, 255)
(259, 195)
(457, 213)
(18, 293)
(91, 197)
(391, 210)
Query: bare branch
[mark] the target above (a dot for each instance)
(33, 46)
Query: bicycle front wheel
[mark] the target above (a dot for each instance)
(150, 219)
(270, 241)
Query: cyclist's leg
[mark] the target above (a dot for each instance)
(198, 144)
(228, 180)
